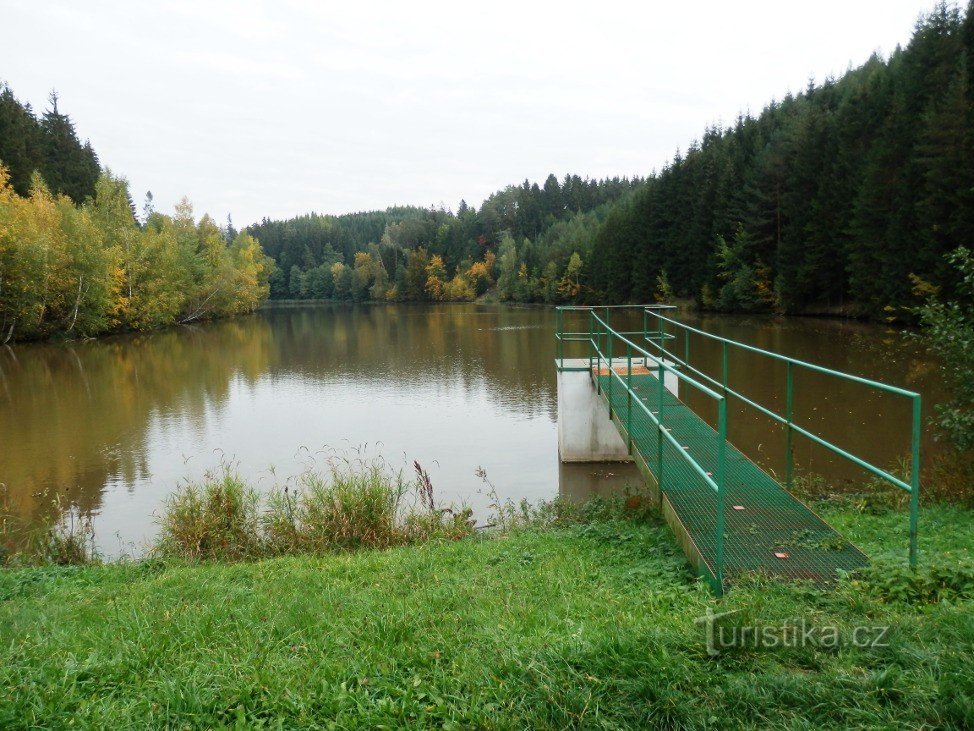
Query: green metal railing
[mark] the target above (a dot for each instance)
(604, 341)
(912, 487)
(601, 336)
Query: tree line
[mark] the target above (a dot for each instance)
(76, 262)
(525, 243)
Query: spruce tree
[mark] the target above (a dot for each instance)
(20, 141)
(67, 166)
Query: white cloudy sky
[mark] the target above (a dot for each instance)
(274, 109)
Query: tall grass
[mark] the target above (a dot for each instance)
(350, 505)
(66, 537)
(218, 517)
(950, 479)
(68, 540)
(508, 516)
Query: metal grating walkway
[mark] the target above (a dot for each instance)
(766, 529)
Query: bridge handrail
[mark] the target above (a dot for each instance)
(879, 472)
(599, 328)
(560, 334)
(658, 360)
(665, 360)
(912, 487)
(795, 361)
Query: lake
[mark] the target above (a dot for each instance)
(114, 425)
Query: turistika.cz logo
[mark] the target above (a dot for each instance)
(723, 636)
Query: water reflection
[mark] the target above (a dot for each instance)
(113, 425)
(77, 416)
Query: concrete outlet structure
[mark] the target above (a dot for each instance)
(585, 432)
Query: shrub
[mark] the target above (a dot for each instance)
(927, 584)
(67, 539)
(948, 330)
(634, 503)
(874, 496)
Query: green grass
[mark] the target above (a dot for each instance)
(590, 625)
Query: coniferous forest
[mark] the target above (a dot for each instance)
(832, 201)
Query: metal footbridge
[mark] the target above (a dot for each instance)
(730, 516)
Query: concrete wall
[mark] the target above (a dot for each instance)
(585, 432)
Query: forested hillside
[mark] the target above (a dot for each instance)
(828, 201)
(76, 262)
(522, 239)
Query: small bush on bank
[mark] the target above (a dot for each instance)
(219, 518)
(507, 515)
(950, 480)
(929, 583)
(68, 541)
(944, 480)
(875, 496)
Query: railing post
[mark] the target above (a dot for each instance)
(598, 352)
(724, 368)
(560, 336)
(629, 393)
(608, 333)
(591, 340)
(789, 405)
(660, 375)
(646, 314)
(915, 480)
(686, 348)
(721, 479)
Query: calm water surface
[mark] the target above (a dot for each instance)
(115, 425)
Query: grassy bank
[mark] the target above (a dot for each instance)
(589, 625)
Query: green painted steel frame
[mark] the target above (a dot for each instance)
(912, 487)
(665, 361)
(600, 338)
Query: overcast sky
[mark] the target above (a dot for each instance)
(276, 109)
